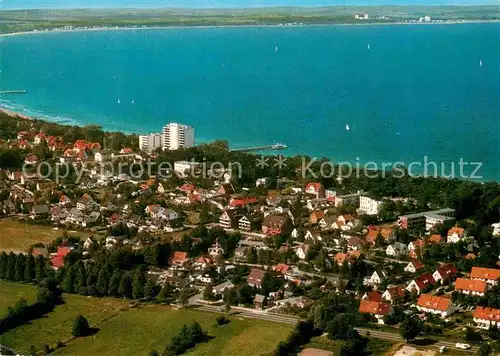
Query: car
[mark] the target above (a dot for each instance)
(443, 349)
(462, 346)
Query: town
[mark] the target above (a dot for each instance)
(353, 258)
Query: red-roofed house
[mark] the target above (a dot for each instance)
(419, 243)
(315, 189)
(489, 275)
(255, 277)
(444, 273)
(378, 309)
(240, 202)
(393, 293)
(316, 216)
(281, 268)
(470, 286)
(420, 283)
(126, 150)
(57, 261)
(179, 258)
(436, 239)
(372, 296)
(413, 266)
(433, 304)
(39, 137)
(31, 159)
(456, 234)
(486, 317)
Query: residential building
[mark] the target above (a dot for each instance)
(369, 206)
(485, 318)
(260, 301)
(347, 199)
(316, 189)
(444, 273)
(177, 136)
(489, 275)
(432, 219)
(255, 277)
(372, 296)
(150, 142)
(375, 279)
(413, 266)
(419, 284)
(377, 309)
(433, 304)
(496, 229)
(418, 220)
(393, 294)
(471, 286)
(277, 225)
(396, 249)
(229, 219)
(316, 217)
(417, 244)
(179, 258)
(186, 168)
(456, 234)
(301, 251)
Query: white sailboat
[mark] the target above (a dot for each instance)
(119, 101)
(481, 63)
(133, 101)
(275, 49)
(368, 46)
(347, 128)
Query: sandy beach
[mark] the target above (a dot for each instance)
(36, 32)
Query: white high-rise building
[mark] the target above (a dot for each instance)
(151, 142)
(177, 136)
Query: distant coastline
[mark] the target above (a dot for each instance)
(123, 28)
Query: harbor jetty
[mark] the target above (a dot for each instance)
(20, 91)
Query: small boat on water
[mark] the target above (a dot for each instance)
(119, 101)
(347, 128)
(275, 49)
(133, 101)
(278, 146)
(480, 63)
(368, 46)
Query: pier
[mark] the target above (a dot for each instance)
(20, 91)
(277, 146)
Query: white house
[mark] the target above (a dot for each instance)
(375, 279)
(396, 249)
(301, 251)
(496, 229)
(377, 309)
(486, 317)
(433, 304)
(392, 293)
(489, 275)
(471, 287)
(413, 266)
(420, 283)
(444, 273)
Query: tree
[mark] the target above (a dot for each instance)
(138, 283)
(114, 283)
(410, 328)
(80, 326)
(208, 294)
(29, 270)
(150, 289)
(32, 350)
(485, 349)
(251, 255)
(40, 268)
(68, 283)
(19, 267)
(125, 288)
(103, 281)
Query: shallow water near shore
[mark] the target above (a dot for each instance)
(406, 92)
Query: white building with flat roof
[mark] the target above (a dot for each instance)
(151, 142)
(177, 136)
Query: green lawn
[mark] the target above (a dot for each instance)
(138, 331)
(57, 324)
(11, 293)
(375, 346)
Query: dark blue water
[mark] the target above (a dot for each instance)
(417, 91)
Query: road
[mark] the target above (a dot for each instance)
(290, 320)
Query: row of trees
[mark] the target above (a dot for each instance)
(22, 268)
(300, 335)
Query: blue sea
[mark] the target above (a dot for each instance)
(406, 91)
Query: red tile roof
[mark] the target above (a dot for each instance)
(434, 302)
(487, 314)
(471, 285)
(178, 257)
(458, 230)
(435, 239)
(316, 186)
(424, 280)
(485, 273)
(446, 271)
(281, 267)
(255, 276)
(374, 296)
(367, 306)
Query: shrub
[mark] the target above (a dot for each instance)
(80, 326)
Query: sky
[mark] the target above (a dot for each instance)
(34, 4)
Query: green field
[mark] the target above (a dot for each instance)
(138, 331)
(11, 293)
(18, 236)
(375, 346)
(132, 331)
